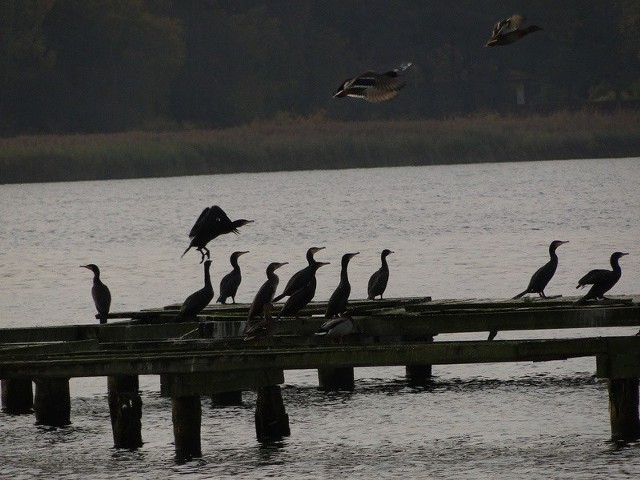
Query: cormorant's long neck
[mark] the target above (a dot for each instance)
(310, 259)
(553, 255)
(385, 266)
(234, 263)
(615, 265)
(344, 277)
(207, 276)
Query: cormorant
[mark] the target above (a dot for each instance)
(601, 281)
(100, 293)
(197, 301)
(508, 31)
(299, 299)
(373, 87)
(338, 301)
(231, 281)
(336, 328)
(544, 274)
(378, 281)
(211, 223)
(263, 327)
(302, 277)
(265, 293)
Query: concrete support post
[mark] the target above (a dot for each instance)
(125, 407)
(186, 416)
(272, 421)
(52, 403)
(623, 409)
(331, 379)
(227, 399)
(17, 396)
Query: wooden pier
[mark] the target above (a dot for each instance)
(210, 357)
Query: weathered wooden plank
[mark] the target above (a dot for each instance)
(208, 383)
(130, 363)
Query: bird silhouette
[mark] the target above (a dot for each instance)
(100, 293)
(197, 301)
(374, 87)
(231, 281)
(378, 281)
(508, 31)
(544, 274)
(601, 280)
(212, 222)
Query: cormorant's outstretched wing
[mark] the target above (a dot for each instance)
(197, 227)
(594, 276)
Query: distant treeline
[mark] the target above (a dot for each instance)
(91, 66)
(302, 143)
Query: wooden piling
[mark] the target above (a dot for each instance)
(52, 404)
(17, 396)
(418, 375)
(332, 379)
(186, 416)
(125, 408)
(623, 409)
(272, 421)
(227, 399)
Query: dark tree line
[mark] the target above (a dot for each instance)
(114, 65)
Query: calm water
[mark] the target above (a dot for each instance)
(473, 231)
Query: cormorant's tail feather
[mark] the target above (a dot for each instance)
(519, 295)
(188, 248)
(279, 297)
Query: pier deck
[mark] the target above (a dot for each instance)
(210, 357)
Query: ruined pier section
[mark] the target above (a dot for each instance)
(210, 358)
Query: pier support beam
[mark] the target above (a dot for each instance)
(52, 403)
(332, 379)
(418, 375)
(272, 421)
(125, 407)
(17, 396)
(227, 399)
(623, 409)
(186, 416)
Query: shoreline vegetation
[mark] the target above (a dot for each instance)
(314, 142)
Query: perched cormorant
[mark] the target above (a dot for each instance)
(378, 281)
(338, 301)
(544, 274)
(211, 223)
(231, 281)
(373, 87)
(265, 293)
(336, 328)
(197, 301)
(302, 277)
(299, 299)
(601, 281)
(263, 327)
(508, 31)
(100, 293)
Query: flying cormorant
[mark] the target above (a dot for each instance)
(100, 293)
(373, 87)
(544, 274)
(299, 299)
(378, 281)
(508, 31)
(302, 277)
(231, 281)
(338, 301)
(601, 281)
(197, 301)
(265, 293)
(211, 223)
